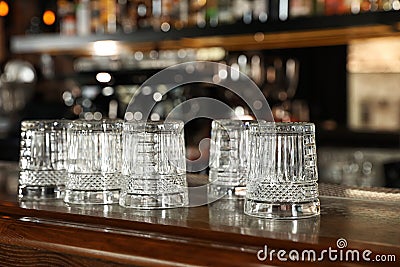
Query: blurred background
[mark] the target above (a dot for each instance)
(334, 63)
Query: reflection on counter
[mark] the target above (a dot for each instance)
(158, 216)
(228, 211)
(9, 174)
(226, 215)
(219, 216)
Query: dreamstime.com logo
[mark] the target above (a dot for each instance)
(340, 253)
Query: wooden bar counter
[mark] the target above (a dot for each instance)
(219, 234)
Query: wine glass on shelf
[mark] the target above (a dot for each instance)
(280, 86)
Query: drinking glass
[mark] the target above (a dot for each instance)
(283, 173)
(229, 152)
(154, 166)
(94, 161)
(42, 159)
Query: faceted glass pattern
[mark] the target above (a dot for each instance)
(94, 161)
(42, 159)
(282, 171)
(154, 166)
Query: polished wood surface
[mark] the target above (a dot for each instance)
(219, 234)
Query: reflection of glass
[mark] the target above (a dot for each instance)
(176, 216)
(283, 176)
(229, 212)
(9, 172)
(305, 230)
(281, 85)
(39, 204)
(229, 156)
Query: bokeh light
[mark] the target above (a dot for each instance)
(49, 17)
(4, 9)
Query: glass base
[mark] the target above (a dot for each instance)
(154, 201)
(36, 192)
(220, 191)
(270, 210)
(92, 197)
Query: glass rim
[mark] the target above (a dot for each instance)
(100, 125)
(44, 123)
(284, 127)
(153, 126)
(232, 123)
(95, 122)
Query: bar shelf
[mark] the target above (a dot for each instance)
(293, 33)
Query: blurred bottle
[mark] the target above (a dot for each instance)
(374, 5)
(135, 14)
(124, 22)
(197, 13)
(225, 12)
(358, 6)
(279, 10)
(243, 11)
(184, 12)
(156, 12)
(355, 6)
(131, 20)
(66, 14)
(108, 15)
(143, 14)
(95, 19)
(301, 8)
(365, 5)
(300, 110)
(257, 69)
(170, 14)
(386, 5)
(319, 7)
(337, 8)
(47, 66)
(260, 10)
(254, 10)
(334, 7)
(212, 12)
(83, 17)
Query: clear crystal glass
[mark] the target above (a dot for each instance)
(283, 173)
(229, 153)
(94, 161)
(42, 159)
(154, 166)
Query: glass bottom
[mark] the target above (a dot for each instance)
(278, 211)
(40, 192)
(220, 191)
(154, 201)
(92, 197)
